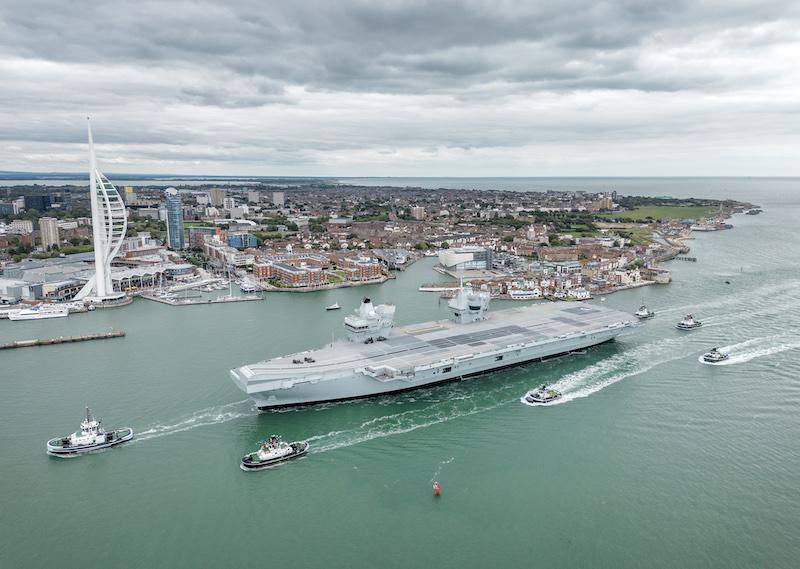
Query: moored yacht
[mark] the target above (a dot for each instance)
(248, 286)
(714, 356)
(91, 436)
(273, 451)
(39, 312)
(644, 313)
(688, 323)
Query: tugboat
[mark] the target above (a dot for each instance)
(91, 436)
(334, 306)
(715, 356)
(644, 313)
(271, 452)
(542, 395)
(688, 323)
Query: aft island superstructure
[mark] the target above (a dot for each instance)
(379, 358)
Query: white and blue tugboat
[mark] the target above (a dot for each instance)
(542, 395)
(688, 323)
(271, 452)
(91, 436)
(715, 356)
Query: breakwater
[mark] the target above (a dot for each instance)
(61, 340)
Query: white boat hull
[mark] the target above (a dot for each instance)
(37, 316)
(75, 450)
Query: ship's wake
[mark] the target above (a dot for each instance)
(606, 372)
(203, 417)
(454, 406)
(755, 348)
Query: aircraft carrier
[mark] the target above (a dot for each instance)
(378, 358)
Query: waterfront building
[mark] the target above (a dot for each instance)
(361, 268)
(61, 290)
(278, 199)
(39, 202)
(109, 226)
(263, 270)
(14, 290)
(466, 258)
(48, 228)
(301, 276)
(216, 196)
(175, 238)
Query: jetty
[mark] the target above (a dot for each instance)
(61, 340)
(195, 301)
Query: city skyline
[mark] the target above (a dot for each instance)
(410, 89)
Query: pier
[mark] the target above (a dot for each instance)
(61, 340)
(195, 301)
(682, 258)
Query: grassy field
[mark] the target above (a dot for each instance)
(663, 212)
(637, 235)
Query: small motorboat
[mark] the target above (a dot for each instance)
(688, 323)
(542, 395)
(334, 306)
(91, 436)
(644, 313)
(271, 452)
(714, 356)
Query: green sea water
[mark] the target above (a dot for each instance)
(652, 459)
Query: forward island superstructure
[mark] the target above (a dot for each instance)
(379, 358)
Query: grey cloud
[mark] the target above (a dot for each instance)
(304, 83)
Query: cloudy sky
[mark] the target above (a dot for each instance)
(402, 88)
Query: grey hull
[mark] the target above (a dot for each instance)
(428, 354)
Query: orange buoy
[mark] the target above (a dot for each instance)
(437, 489)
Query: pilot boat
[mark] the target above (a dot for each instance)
(688, 323)
(715, 356)
(644, 313)
(91, 436)
(271, 452)
(542, 395)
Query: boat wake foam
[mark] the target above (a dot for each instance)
(591, 379)
(204, 417)
(759, 350)
(437, 412)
